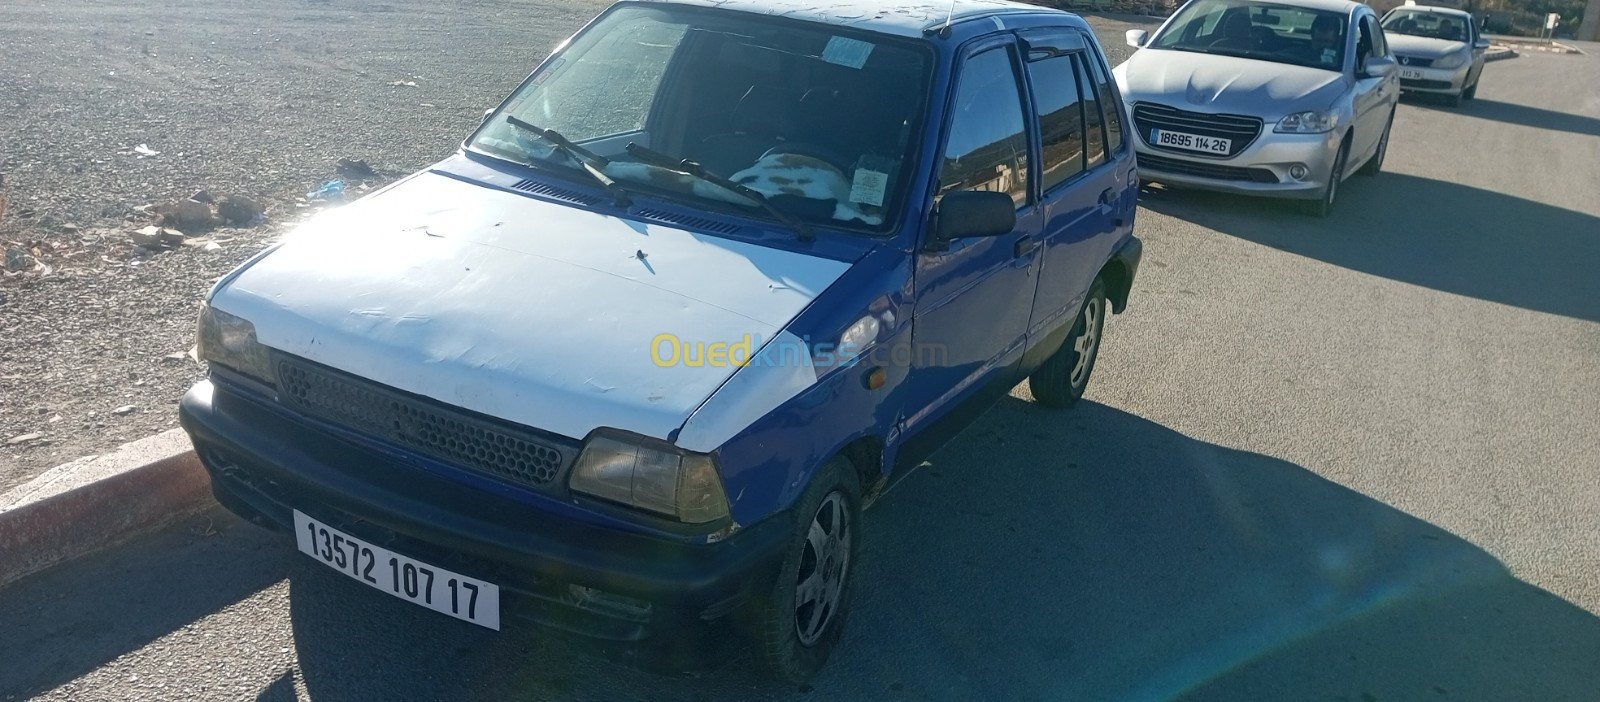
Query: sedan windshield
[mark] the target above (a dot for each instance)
(821, 122)
(1425, 24)
(1258, 30)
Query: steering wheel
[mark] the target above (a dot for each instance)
(817, 152)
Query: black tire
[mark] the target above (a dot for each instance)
(1323, 206)
(1472, 92)
(1453, 100)
(1375, 164)
(1060, 382)
(786, 653)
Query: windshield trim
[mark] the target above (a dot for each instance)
(1350, 20)
(894, 220)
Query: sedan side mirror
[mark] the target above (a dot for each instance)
(974, 213)
(485, 116)
(1137, 38)
(1481, 43)
(1378, 67)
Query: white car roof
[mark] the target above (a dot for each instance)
(899, 18)
(1340, 6)
(1435, 10)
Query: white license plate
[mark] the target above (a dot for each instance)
(440, 590)
(1411, 74)
(1192, 142)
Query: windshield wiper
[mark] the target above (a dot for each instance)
(592, 163)
(695, 170)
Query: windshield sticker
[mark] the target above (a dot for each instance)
(845, 51)
(869, 187)
(1328, 55)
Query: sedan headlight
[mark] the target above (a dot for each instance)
(660, 478)
(1455, 60)
(230, 341)
(1312, 122)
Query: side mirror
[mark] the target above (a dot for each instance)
(1137, 37)
(485, 116)
(1378, 67)
(1481, 43)
(974, 213)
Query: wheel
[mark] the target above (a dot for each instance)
(1453, 100)
(1472, 92)
(1060, 382)
(1375, 164)
(799, 623)
(1323, 206)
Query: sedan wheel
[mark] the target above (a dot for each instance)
(1323, 206)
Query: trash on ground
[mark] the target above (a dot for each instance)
(239, 211)
(124, 410)
(24, 438)
(144, 150)
(189, 216)
(405, 83)
(356, 169)
(331, 190)
(148, 237)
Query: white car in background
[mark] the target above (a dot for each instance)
(1439, 50)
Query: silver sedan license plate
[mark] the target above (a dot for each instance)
(1190, 142)
(440, 590)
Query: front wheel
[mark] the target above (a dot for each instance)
(1375, 164)
(1472, 92)
(1454, 100)
(1060, 382)
(799, 622)
(1323, 206)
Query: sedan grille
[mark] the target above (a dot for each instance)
(1414, 62)
(1241, 130)
(498, 449)
(1215, 171)
(1424, 84)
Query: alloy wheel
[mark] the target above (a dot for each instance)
(824, 566)
(1088, 342)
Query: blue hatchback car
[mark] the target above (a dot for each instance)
(630, 363)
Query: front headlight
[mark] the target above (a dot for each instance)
(230, 341)
(1455, 60)
(663, 479)
(1311, 122)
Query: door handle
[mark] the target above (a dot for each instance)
(1106, 197)
(1026, 245)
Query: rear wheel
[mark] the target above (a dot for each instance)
(1060, 382)
(1323, 206)
(800, 621)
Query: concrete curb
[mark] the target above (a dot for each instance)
(1499, 53)
(98, 502)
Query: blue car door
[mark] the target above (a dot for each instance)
(1085, 171)
(974, 296)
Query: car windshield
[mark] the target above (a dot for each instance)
(1425, 24)
(1257, 30)
(821, 120)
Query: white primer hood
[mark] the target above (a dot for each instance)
(518, 308)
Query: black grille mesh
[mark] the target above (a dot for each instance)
(1206, 170)
(435, 430)
(1240, 129)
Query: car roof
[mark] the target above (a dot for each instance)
(1340, 6)
(908, 19)
(1433, 9)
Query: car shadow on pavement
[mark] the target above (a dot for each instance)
(1088, 554)
(1445, 236)
(66, 622)
(1513, 113)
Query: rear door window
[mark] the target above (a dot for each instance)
(1058, 99)
(1108, 104)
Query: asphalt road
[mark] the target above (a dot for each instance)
(1345, 459)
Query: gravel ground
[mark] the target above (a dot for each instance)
(258, 99)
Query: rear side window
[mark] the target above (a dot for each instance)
(987, 148)
(1060, 105)
(1108, 104)
(1091, 107)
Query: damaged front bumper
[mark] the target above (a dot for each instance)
(654, 603)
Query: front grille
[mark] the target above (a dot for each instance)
(1241, 130)
(1425, 84)
(492, 447)
(1414, 62)
(1206, 170)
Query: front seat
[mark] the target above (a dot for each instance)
(1235, 33)
(762, 120)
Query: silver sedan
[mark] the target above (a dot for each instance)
(1439, 49)
(1283, 99)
